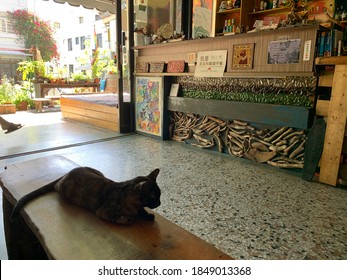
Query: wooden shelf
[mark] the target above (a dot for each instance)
(331, 60)
(270, 11)
(279, 115)
(236, 10)
(234, 74)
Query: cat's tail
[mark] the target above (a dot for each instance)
(26, 198)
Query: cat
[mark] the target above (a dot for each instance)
(115, 202)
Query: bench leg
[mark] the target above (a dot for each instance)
(21, 243)
(38, 106)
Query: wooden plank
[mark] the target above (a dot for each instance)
(331, 60)
(279, 115)
(112, 117)
(114, 126)
(87, 105)
(69, 232)
(322, 108)
(336, 123)
(326, 79)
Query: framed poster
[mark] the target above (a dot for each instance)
(284, 52)
(149, 105)
(243, 56)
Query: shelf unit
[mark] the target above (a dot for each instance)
(245, 15)
(261, 68)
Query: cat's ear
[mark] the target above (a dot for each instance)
(154, 174)
(139, 186)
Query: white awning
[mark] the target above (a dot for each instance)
(13, 53)
(101, 5)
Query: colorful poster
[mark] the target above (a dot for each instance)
(149, 96)
(202, 19)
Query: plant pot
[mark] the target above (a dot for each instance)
(7, 109)
(23, 105)
(147, 40)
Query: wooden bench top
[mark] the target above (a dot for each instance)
(68, 232)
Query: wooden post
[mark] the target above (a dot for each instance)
(335, 132)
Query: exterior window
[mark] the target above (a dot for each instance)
(71, 70)
(97, 17)
(69, 44)
(3, 25)
(77, 40)
(99, 40)
(83, 38)
(80, 20)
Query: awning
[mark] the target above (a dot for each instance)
(13, 53)
(101, 5)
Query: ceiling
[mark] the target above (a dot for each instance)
(101, 5)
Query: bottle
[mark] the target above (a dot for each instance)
(261, 8)
(343, 14)
(232, 27)
(274, 4)
(225, 26)
(265, 5)
(229, 26)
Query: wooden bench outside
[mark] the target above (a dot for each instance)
(38, 102)
(52, 228)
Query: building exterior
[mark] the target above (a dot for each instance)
(73, 27)
(12, 50)
(77, 35)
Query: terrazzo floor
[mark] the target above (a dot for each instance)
(248, 210)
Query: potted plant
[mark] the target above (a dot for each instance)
(32, 68)
(146, 31)
(79, 77)
(7, 93)
(22, 99)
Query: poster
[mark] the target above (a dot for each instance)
(149, 96)
(202, 19)
(284, 52)
(243, 56)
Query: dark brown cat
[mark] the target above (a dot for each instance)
(115, 202)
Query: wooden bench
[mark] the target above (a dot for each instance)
(38, 102)
(52, 228)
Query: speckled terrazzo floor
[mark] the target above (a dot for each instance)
(248, 210)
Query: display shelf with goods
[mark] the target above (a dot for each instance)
(231, 16)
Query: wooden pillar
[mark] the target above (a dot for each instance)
(335, 131)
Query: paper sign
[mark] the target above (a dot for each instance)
(211, 64)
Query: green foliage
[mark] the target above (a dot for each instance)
(15, 93)
(28, 68)
(268, 98)
(7, 90)
(35, 32)
(79, 76)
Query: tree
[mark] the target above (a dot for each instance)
(35, 32)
